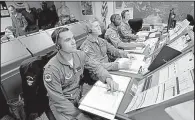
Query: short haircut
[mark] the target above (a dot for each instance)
(189, 17)
(11, 6)
(89, 24)
(56, 32)
(113, 17)
(123, 13)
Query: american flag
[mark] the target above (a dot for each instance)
(104, 12)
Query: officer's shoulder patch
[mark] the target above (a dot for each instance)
(108, 31)
(113, 35)
(122, 28)
(86, 49)
(47, 77)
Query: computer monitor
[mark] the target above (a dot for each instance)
(171, 21)
(166, 54)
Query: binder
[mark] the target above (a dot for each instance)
(166, 54)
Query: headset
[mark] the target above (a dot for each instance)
(123, 13)
(58, 46)
(88, 27)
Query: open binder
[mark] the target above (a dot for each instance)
(103, 103)
(166, 54)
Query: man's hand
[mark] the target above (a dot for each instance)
(124, 63)
(113, 85)
(131, 57)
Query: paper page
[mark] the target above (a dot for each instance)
(173, 36)
(136, 101)
(152, 35)
(161, 89)
(176, 86)
(179, 28)
(136, 64)
(174, 80)
(151, 41)
(138, 56)
(137, 50)
(169, 89)
(185, 63)
(101, 102)
(185, 82)
(171, 32)
(121, 80)
(172, 70)
(179, 44)
(143, 33)
(163, 75)
(150, 97)
(141, 39)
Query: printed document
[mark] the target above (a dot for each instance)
(165, 90)
(179, 44)
(136, 65)
(101, 102)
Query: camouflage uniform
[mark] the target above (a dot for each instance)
(112, 35)
(19, 22)
(62, 82)
(125, 32)
(98, 49)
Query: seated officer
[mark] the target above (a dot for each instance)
(73, 19)
(62, 76)
(113, 37)
(9, 34)
(124, 29)
(96, 48)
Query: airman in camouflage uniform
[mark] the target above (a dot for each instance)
(113, 36)
(62, 76)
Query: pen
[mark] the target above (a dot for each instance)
(109, 90)
(131, 94)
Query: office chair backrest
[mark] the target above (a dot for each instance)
(135, 24)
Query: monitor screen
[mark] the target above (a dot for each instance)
(171, 21)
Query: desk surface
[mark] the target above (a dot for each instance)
(12, 52)
(146, 53)
(38, 42)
